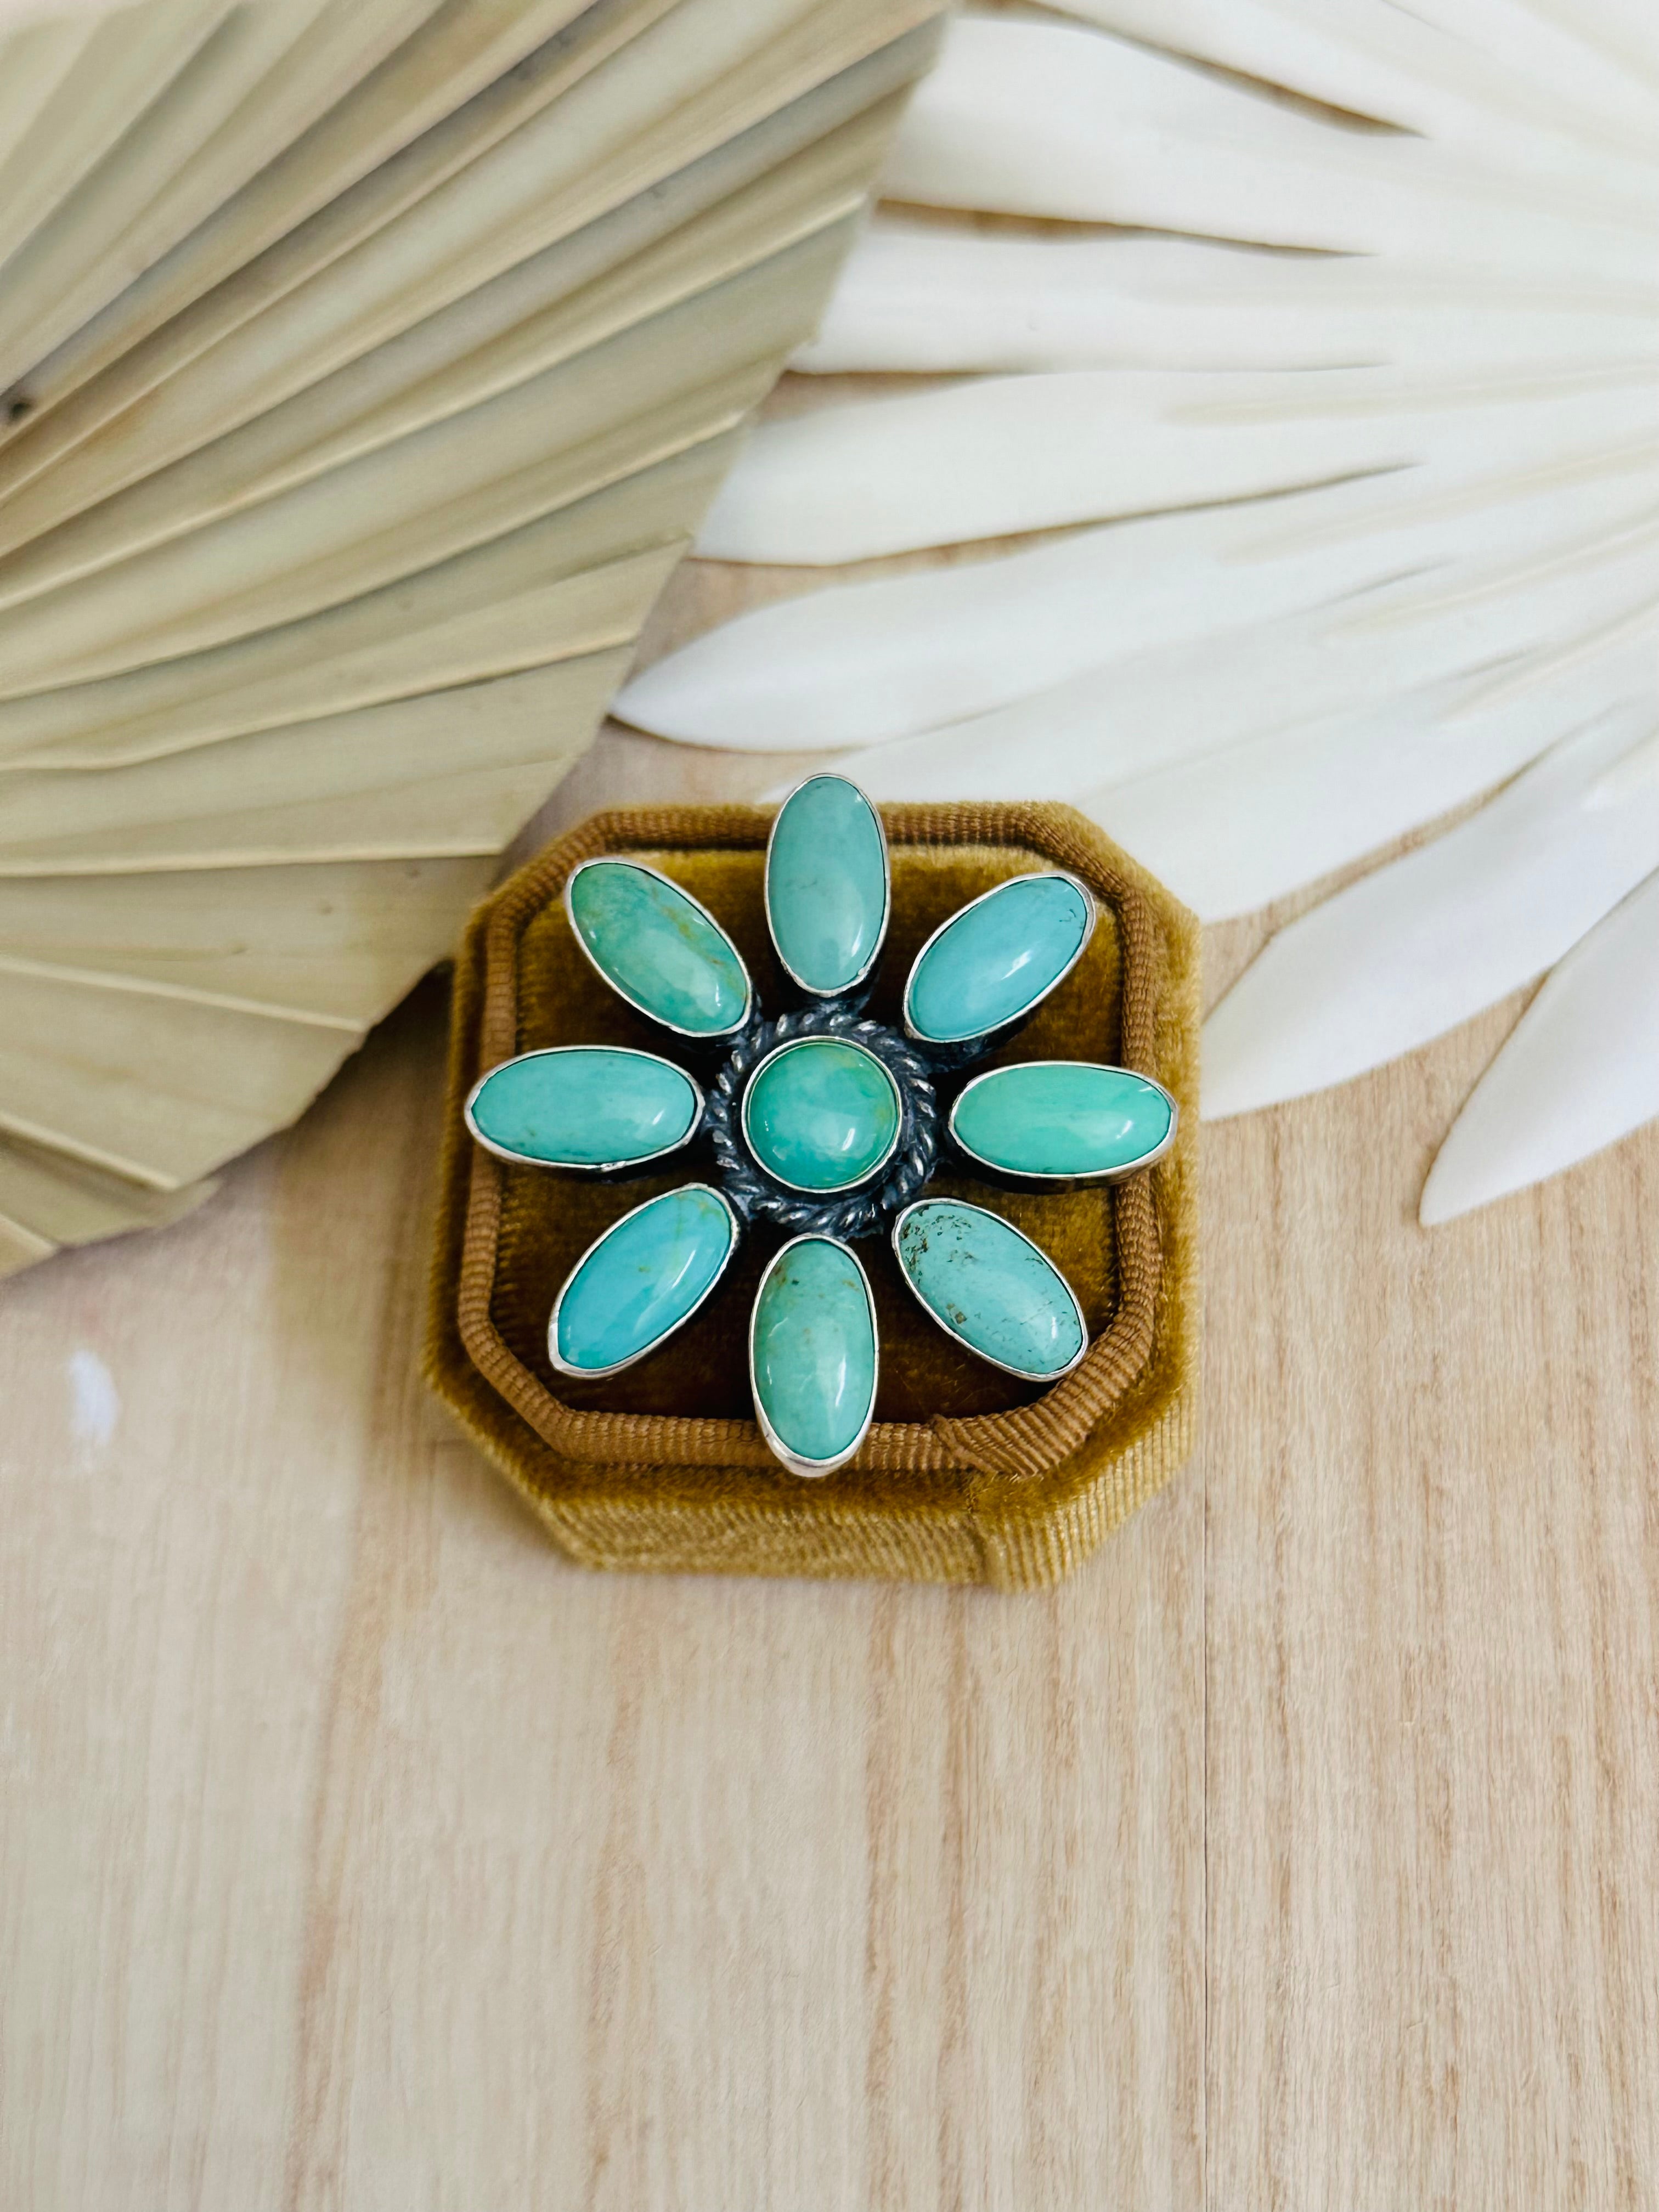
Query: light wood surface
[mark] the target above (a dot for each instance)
(1302, 1852)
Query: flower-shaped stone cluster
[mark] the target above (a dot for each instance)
(823, 1122)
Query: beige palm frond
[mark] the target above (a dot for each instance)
(365, 368)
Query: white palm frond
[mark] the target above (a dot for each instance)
(1315, 346)
(1412, 949)
(1580, 1070)
(920, 297)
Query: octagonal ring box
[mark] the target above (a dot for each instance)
(968, 1474)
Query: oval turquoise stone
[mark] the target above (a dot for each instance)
(648, 1273)
(993, 961)
(812, 1349)
(826, 884)
(659, 948)
(822, 1115)
(990, 1287)
(1061, 1117)
(585, 1106)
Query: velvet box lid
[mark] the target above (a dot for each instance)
(967, 1475)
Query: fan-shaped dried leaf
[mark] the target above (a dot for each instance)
(370, 366)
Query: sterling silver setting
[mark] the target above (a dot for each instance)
(883, 1198)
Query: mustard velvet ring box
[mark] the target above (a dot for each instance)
(662, 965)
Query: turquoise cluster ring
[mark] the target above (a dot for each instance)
(821, 1123)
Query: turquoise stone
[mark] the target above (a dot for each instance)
(990, 1287)
(812, 1349)
(826, 884)
(821, 1115)
(1061, 1117)
(644, 1276)
(659, 948)
(585, 1106)
(993, 961)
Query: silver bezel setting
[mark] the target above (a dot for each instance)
(843, 990)
(1024, 1374)
(811, 1469)
(584, 1167)
(1032, 1178)
(1091, 916)
(674, 1029)
(809, 1190)
(598, 1374)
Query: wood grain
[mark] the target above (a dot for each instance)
(1303, 1850)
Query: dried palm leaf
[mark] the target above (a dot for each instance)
(366, 368)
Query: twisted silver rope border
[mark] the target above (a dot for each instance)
(756, 1197)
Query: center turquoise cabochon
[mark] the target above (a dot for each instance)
(652, 943)
(812, 1353)
(822, 1115)
(826, 884)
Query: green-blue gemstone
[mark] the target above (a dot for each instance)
(585, 1106)
(812, 1347)
(822, 1115)
(659, 948)
(992, 962)
(1061, 1117)
(990, 1287)
(647, 1274)
(826, 884)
